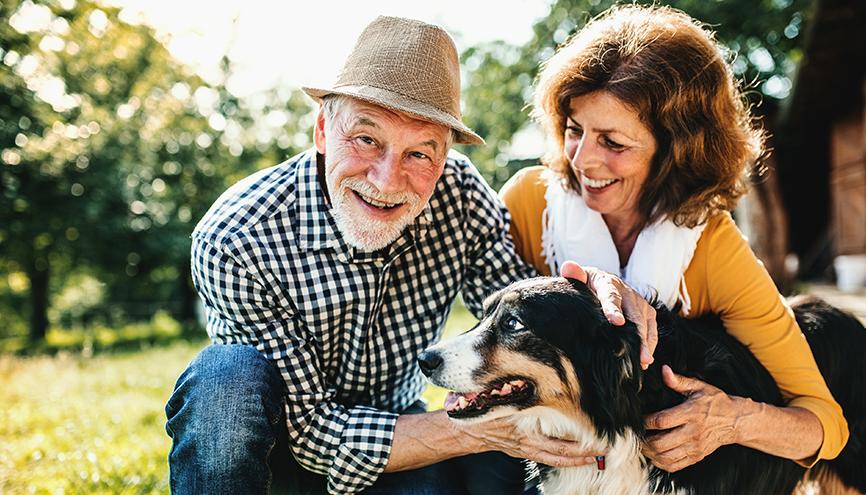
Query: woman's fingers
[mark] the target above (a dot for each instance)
(619, 302)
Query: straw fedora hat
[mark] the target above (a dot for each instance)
(408, 66)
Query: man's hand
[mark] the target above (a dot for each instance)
(696, 428)
(616, 298)
(502, 435)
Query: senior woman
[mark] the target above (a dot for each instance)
(650, 142)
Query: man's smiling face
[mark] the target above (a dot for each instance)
(380, 169)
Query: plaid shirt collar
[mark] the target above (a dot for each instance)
(317, 229)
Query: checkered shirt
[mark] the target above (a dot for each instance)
(342, 325)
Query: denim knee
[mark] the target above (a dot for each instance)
(223, 418)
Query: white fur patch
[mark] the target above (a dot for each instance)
(626, 471)
(460, 361)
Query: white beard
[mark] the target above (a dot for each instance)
(361, 231)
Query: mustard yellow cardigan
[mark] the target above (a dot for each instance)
(724, 278)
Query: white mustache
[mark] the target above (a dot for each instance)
(363, 187)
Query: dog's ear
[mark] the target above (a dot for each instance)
(610, 380)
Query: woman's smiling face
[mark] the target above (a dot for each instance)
(610, 150)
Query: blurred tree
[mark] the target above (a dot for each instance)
(111, 150)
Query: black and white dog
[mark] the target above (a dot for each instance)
(545, 355)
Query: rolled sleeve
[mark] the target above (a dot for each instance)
(828, 414)
(365, 445)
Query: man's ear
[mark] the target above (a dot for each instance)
(319, 132)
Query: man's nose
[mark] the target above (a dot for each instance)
(429, 361)
(388, 174)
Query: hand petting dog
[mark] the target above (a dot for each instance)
(617, 298)
(694, 429)
(502, 434)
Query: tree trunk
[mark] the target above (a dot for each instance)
(38, 273)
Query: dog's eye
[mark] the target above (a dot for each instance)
(513, 324)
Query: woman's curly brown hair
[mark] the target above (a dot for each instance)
(673, 73)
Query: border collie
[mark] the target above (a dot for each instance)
(545, 355)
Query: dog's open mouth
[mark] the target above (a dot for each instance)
(515, 391)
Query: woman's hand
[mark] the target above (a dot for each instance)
(617, 298)
(694, 429)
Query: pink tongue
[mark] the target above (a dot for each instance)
(451, 401)
(452, 398)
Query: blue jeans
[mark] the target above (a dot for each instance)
(229, 435)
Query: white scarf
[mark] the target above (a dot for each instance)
(661, 254)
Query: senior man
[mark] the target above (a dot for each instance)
(324, 277)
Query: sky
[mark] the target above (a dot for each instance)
(293, 43)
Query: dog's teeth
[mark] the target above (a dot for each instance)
(461, 402)
(517, 383)
(494, 392)
(506, 389)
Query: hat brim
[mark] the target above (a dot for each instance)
(400, 103)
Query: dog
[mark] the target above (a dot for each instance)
(545, 356)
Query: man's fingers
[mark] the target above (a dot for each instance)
(570, 269)
(560, 461)
(564, 453)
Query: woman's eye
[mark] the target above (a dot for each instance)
(419, 155)
(513, 324)
(366, 140)
(612, 144)
(573, 130)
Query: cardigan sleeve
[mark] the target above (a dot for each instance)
(523, 195)
(726, 278)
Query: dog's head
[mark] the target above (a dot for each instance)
(542, 343)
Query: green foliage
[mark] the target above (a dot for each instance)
(764, 39)
(160, 330)
(110, 150)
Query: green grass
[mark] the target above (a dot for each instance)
(71, 424)
(80, 423)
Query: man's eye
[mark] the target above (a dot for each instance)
(419, 155)
(513, 324)
(366, 140)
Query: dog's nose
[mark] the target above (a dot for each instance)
(429, 361)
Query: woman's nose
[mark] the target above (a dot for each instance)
(585, 155)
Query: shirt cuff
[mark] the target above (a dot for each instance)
(832, 421)
(365, 446)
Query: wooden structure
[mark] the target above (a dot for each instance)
(820, 140)
(848, 183)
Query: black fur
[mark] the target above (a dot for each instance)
(568, 316)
